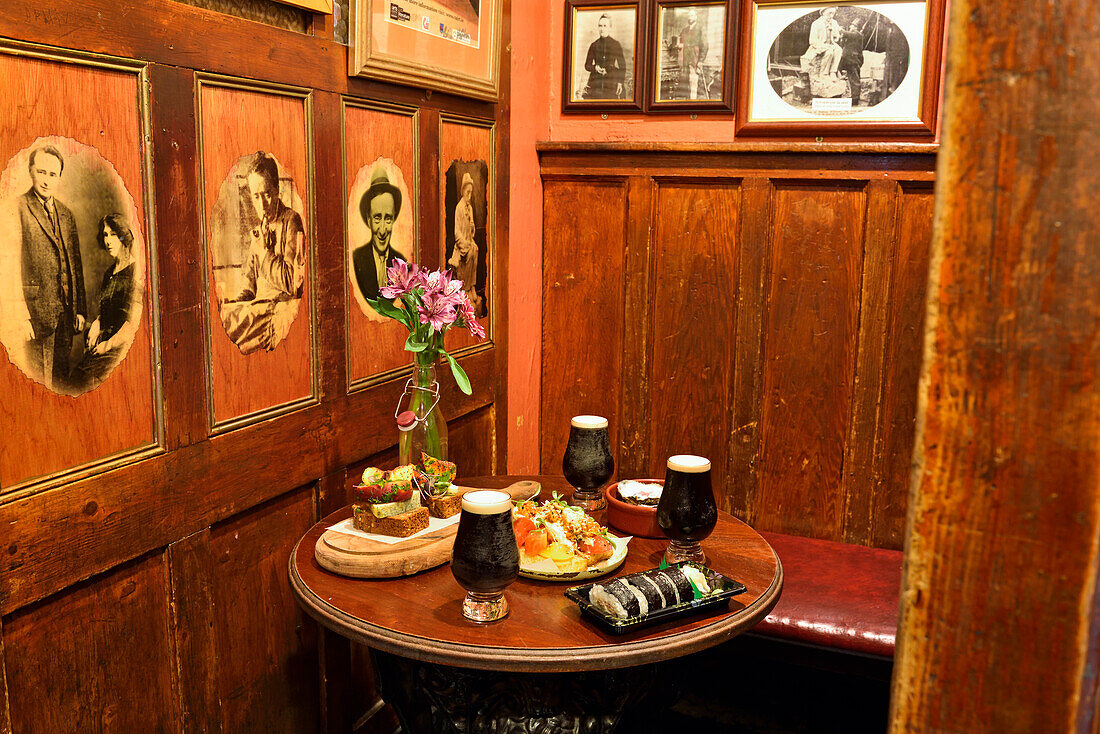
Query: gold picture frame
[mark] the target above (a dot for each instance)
(447, 45)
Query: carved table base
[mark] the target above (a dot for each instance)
(445, 700)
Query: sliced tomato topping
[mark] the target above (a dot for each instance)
(523, 525)
(596, 547)
(536, 542)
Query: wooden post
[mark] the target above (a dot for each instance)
(999, 611)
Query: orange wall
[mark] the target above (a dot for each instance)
(537, 34)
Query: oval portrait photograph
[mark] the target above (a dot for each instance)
(838, 60)
(72, 261)
(381, 229)
(258, 252)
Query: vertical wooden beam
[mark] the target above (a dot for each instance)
(633, 450)
(862, 473)
(179, 254)
(999, 618)
(753, 259)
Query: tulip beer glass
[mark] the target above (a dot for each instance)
(588, 463)
(485, 559)
(687, 513)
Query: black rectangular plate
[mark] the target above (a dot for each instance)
(726, 587)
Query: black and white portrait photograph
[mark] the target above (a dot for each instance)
(465, 205)
(259, 252)
(602, 59)
(72, 261)
(691, 52)
(381, 228)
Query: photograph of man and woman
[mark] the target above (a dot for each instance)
(72, 261)
(381, 229)
(838, 59)
(258, 252)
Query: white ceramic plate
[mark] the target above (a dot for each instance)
(546, 570)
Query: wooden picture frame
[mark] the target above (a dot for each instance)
(434, 47)
(792, 80)
(602, 88)
(704, 31)
(468, 148)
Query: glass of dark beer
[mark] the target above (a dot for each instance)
(588, 464)
(687, 513)
(485, 558)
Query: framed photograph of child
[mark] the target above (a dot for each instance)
(604, 62)
(692, 49)
(868, 69)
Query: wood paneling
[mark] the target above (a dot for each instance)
(267, 663)
(475, 449)
(693, 291)
(209, 639)
(47, 433)
(779, 336)
(1004, 529)
(65, 663)
(377, 344)
(582, 307)
(235, 123)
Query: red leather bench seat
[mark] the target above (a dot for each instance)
(836, 595)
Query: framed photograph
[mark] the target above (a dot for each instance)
(692, 52)
(869, 69)
(449, 45)
(604, 56)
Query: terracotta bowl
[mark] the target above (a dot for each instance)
(637, 520)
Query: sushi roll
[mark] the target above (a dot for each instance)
(664, 583)
(655, 600)
(618, 599)
(697, 579)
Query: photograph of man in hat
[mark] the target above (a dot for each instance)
(379, 206)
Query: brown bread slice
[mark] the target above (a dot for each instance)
(446, 506)
(398, 526)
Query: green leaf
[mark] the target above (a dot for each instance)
(460, 374)
(387, 309)
(413, 345)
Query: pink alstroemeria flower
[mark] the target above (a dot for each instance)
(437, 310)
(466, 311)
(401, 278)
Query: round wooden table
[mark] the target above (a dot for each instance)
(420, 640)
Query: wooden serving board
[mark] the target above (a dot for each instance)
(349, 555)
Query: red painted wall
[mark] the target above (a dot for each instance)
(537, 33)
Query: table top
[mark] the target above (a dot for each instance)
(420, 616)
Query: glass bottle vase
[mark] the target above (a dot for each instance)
(429, 433)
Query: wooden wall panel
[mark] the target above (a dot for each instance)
(235, 123)
(582, 309)
(810, 346)
(267, 661)
(474, 448)
(97, 657)
(772, 317)
(376, 344)
(45, 432)
(693, 293)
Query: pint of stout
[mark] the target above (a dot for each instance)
(687, 512)
(485, 559)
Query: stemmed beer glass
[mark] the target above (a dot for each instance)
(485, 558)
(687, 512)
(588, 464)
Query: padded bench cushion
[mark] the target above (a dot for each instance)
(836, 595)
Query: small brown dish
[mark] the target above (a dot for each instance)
(637, 520)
